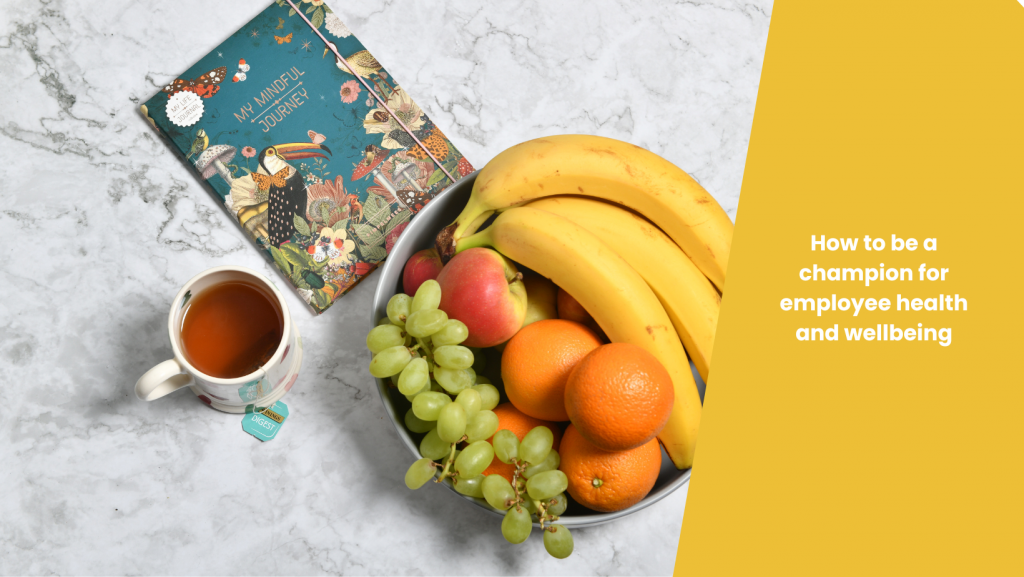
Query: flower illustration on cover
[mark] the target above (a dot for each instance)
(350, 91)
(380, 121)
(330, 204)
(333, 245)
(335, 26)
(247, 202)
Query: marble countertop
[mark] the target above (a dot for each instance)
(100, 224)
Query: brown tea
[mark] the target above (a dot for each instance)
(231, 329)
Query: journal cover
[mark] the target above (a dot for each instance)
(318, 159)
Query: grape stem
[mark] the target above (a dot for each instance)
(423, 345)
(451, 459)
(428, 353)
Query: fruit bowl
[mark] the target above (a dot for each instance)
(419, 235)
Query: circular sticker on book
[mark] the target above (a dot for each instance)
(184, 108)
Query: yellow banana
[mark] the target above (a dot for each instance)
(688, 297)
(617, 297)
(608, 169)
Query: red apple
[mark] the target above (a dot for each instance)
(571, 310)
(421, 267)
(484, 290)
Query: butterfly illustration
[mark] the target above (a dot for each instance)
(280, 23)
(242, 69)
(265, 181)
(316, 137)
(205, 85)
(414, 199)
(283, 39)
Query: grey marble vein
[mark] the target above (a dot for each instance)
(100, 224)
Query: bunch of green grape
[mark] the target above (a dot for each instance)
(419, 348)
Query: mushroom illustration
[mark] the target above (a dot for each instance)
(464, 167)
(373, 168)
(212, 160)
(406, 174)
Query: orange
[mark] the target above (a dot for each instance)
(536, 364)
(608, 481)
(619, 396)
(514, 420)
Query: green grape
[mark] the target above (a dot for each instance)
(546, 485)
(414, 377)
(489, 395)
(390, 361)
(517, 525)
(470, 487)
(416, 424)
(474, 459)
(413, 396)
(453, 357)
(481, 425)
(384, 336)
(384, 321)
(530, 504)
(436, 387)
(427, 297)
(451, 423)
(498, 491)
(506, 446)
(482, 380)
(535, 445)
(425, 323)
(559, 505)
(427, 405)
(550, 463)
(419, 473)
(453, 380)
(479, 360)
(398, 309)
(558, 541)
(432, 447)
(452, 333)
(470, 400)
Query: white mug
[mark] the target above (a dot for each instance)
(261, 388)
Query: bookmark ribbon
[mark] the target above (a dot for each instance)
(380, 100)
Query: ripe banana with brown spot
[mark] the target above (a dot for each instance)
(690, 300)
(612, 292)
(607, 169)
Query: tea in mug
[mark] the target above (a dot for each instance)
(231, 329)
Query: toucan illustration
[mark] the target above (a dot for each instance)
(286, 189)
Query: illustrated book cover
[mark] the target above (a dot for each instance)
(322, 162)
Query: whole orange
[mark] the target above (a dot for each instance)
(619, 396)
(608, 481)
(514, 420)
(536, 364)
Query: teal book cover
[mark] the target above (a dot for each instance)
(322, 162)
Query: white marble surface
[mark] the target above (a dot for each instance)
(100, 224)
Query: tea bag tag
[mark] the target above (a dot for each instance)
(266, 422)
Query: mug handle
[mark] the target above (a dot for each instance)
(161, 380)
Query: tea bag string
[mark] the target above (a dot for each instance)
(401, 123)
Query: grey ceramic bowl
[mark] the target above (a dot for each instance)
(440, 212)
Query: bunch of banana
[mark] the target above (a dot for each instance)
(690, 300)
(607, 169)
(641, 285)
(612, 292)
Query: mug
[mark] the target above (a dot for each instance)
(261, 388)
